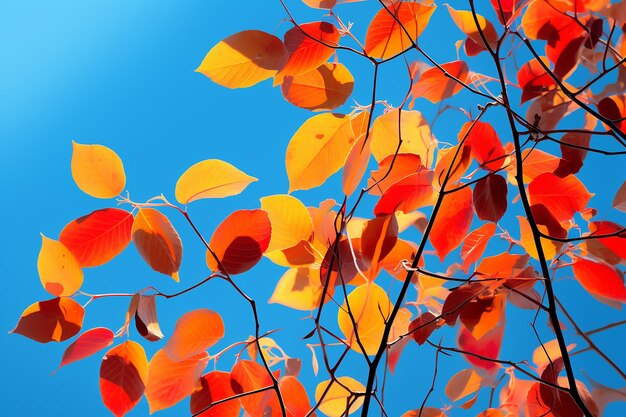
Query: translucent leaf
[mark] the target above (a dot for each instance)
(157, 241)
(475, 243)
(123, 377)
(98, 237)
(487, 346)
(299, 288)
(546, 354)
(324, 88)
(422, 327)
(359, 155)
(248, 376)
(290, 221)
(410, 193)
(466, 21)
(59, 271)
(215, 386)
(195, 332)
(386, 37)
(434, 85)
(211, 178)
(547, 224)
(452, 163)
(52, 320)
(453, 222)
(563, 197)
(295, 397)
(334, 396)
(370, 308)
(317, 150)
(377, 240)
(244, 59)
(600, 278)
(239, 241)
(146, 318)
(485, 144)
(534, 80)
(97, 170)
(87, 344)
(170, 381)
(462, 384)
(392, 169)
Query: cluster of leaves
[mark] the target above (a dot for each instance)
(334, 258)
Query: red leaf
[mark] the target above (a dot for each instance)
(387, 174)
(475, 244)
(614, 109)
(458, 299)
(534, 80)
(408, 194)
(600, 278)
(309, 46)
(435, 85)
(98, 237)
(453, 221)
(87, 344)
(215, 387)
(51, 320)
(422, 327)
(123, 376)
(378, 238)
(572, 158)
(490, 195)
(248, 376)
(563, 197)
(239, 241)
(485, 144)
(617, 244)
(487, 347)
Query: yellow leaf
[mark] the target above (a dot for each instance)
(550, 247)
(58, 269)
(415, 134)
(290, 221)
(211, 178)
(370, 307)
(97, 170)
(299, 288)
(337, 394)
(318, 150)
(244, 59)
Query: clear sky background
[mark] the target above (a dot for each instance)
(121, 74)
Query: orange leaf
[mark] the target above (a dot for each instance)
(359, 156)
(391, 170)
(489, 198)
(378, 239)
(475, 243)
(534, 80)
(146, 318)
(87, 344)
(98, 237)
(408, 194)
(248, 376)
(435, 85)
(466, 21)
(195, 332)
(462, 384)
(59, 271)
(486, 146)
(422, 327)
(170, 381)
(487, 346)
(482, 314)
(244, 59)
(97, 170)
(387, 33)
(123, 377)
(324, 88)
(563, 197)
(51, 320)
(536, 162)
(239, 241)
(336, 396)
(453, 222)
(600, 278)
(309, 46)
(452, 163)
(295, 397)
(215, 387)
(157, 241)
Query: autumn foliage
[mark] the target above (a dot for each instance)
(433, 242)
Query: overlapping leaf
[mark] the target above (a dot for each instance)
(324, 88)
(453, 221)
(52, 320)
(59, 271)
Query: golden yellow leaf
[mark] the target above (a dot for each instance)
(414, 131)
(97, 170)
(550, 247)
(59, 271)
(244, 59)
(334, 396)
(370, 307)
(299, 288)
(290, 221)
(318, 150)
(211, 178)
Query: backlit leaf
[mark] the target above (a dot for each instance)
(317, 150)
(309, 45)
(462, 384)
(215, 386)
(485, 144)
(211, 178)
(52, 320)
(248, 376)
(572, 157)
(411, 127)
(617, 244)
(378, 239)
(59, 271)
(410, 193)
(87, 344)
(324, 88)
(146, 318)
(386, 37)
(422, 327)
(391, 169)
(453, 222)
(170, 381)
(547, 224)
(123, 377)
(98, 237)
(97, 170)
(290, 221)
(466, 21)
(487, 346)
(600, 278)
(299, 288)
(334, 396)
(244, 59)
(534, 80)
(475, 243)
(370, 307)
(296, 400)
(435, 85)
(157, 241)
(195, 332)
(359, 155)
(490, 198)
(240, 241)
(452, 163)
(614, 109)
(563, 197)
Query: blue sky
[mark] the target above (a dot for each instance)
(122, 74)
